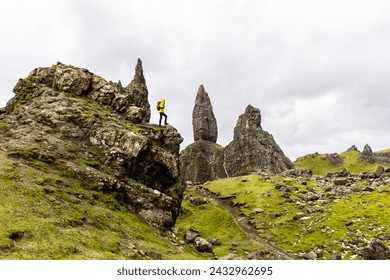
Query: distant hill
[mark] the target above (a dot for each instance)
(350, 160)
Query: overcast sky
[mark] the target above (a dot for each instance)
(319, 71)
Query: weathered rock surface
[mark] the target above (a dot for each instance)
(98, 131)
(367, 154)
(203, 120)
(202, 161)
(253, 150)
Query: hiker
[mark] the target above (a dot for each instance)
(161, 108)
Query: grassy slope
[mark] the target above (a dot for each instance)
(46, 214)
(320, 164)
(213, 221)
(370, 213)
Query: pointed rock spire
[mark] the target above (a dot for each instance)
(203, 119)
(138, 94)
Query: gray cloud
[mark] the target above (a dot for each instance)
(318, 70)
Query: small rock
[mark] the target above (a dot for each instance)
(379, 171)
(257, 211)
(311, 255)
(202, 245)
(348, 223)
(191, 234)
(335, 256)
(229, 257)
(299, 216)
(215, 241)
(368, 189)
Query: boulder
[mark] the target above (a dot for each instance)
(202, 245)
(191, 234)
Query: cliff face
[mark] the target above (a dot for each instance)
(97, 131)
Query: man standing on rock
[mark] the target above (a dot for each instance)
(161, 108)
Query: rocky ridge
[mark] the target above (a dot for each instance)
(252, 150)
(98, 131)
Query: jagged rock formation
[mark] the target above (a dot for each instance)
(138, 93)
(131, 102)
(367, 154)
(97, 131)
(203, 120)
(253, 149)
(353, 148)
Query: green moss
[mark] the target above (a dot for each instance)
(90, 163)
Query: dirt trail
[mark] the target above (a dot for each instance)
(242, 222)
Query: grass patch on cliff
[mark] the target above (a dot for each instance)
(324, 226)
(45, 215)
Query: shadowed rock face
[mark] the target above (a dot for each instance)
(66, 115)
(203, 119)
(253, 149)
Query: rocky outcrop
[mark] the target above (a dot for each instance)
(131, 101)
(253, 150)
(203, 120)
(367, 154)
(97, 131)
(202, 160)
(138, 93)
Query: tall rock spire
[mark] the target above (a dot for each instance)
(138, 93)
(203, 119)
